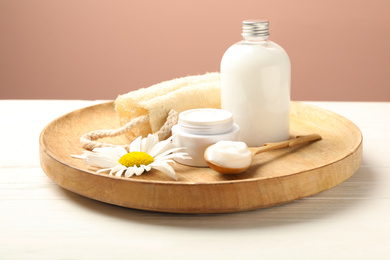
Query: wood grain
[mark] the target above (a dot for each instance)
(276, 177)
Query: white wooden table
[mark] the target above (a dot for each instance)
(40, 220)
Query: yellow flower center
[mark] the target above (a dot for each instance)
(136, 159)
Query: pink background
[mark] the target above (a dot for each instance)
(97, 49)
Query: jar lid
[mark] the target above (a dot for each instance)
(206, 121)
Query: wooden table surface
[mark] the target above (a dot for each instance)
(40, 220)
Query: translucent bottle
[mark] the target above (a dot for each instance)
(255, 86)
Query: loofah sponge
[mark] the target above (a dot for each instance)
(200, 91)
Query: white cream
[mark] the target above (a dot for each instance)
(230, 154)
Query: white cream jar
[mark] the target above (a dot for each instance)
(199, 128)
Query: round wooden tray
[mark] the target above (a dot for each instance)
(276, 177)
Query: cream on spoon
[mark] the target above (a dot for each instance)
(230, 154)
(229, 157)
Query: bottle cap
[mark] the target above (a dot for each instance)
(255, 28)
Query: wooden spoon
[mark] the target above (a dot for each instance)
(256, 150)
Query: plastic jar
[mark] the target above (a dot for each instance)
(199, 128)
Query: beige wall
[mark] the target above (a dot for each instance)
(97, 49)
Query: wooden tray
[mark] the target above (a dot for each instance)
(277, 177)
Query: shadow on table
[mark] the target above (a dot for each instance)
(323, 205)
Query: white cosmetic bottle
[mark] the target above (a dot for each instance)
(255, 86)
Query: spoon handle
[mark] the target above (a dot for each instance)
(295, 141)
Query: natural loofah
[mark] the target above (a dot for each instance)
(200, 91)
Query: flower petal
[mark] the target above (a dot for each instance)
(162, 147)
(138, 170)
(81, 156)
(105, 157)
(147, 167)
(103, 170)
(148, 143)
(183, 156)
(119, 173)
(173, 150)
(95, 159)
(117, 151)
(135, 146)
(129, 172)
(165, 168)
(117, 168)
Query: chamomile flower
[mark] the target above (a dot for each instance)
(144, 154)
